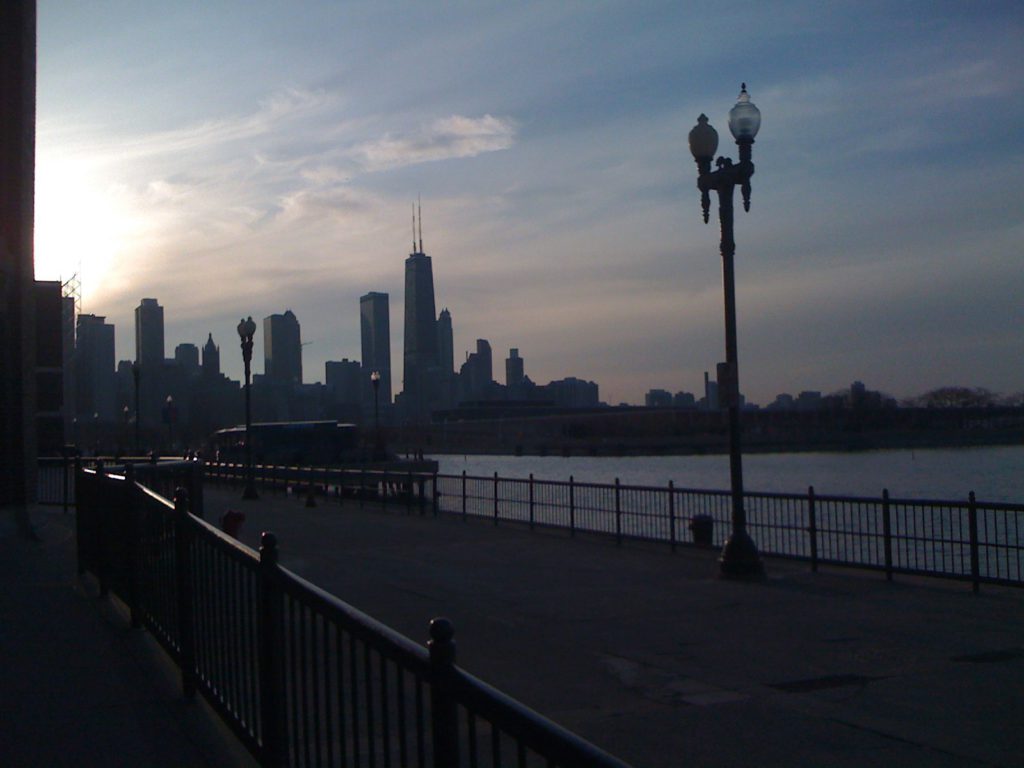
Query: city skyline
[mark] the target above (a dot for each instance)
(560, 206)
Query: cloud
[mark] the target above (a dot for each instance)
(447, 138)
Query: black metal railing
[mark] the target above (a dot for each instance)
(300, 676)
(969, 540)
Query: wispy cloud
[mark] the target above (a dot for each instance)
(447, 138)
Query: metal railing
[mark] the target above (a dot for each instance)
(969, 540)
(300, 676)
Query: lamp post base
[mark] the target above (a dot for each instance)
(740, 560)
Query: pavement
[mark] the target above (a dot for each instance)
(640, 650)
(650, 656)
(80, 687)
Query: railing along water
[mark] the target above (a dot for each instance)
(969, 540)
(300, 676)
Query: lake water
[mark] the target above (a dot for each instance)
(994, 473)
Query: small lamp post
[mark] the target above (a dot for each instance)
(740, 558)
(169, 416)
(375, 381)
(246, 330)
(135, 378)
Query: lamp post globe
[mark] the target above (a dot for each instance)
(740, 558)
(744, 117)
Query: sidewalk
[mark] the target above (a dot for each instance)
(651, 657)
(80, 687)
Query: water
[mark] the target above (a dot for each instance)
(994, 473)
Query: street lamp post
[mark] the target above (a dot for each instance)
(246, 330)
(375, 380)
(169, 415)
(740, 558)
(127, 413)
(135, 378)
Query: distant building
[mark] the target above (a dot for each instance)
(514, 373)
(684, 400)
(445, 344)
(446, 360)
(187, 358)
(211, 359)
(658, 398)
(375, 336)
(95, 384)
(809, 400)
(282, 349)
(476, 376)
(421, 366)
(571, 392)
(710, 401)
(49, 367)
(782, 402)
(344, 389)
(149, 354)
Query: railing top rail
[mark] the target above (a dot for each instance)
(374, 633)
(538, 732)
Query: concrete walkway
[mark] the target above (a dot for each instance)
(651, 657)
(80, 687)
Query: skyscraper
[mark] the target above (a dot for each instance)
(282, 348)
(375, 334)
(513, 370)
(420, 358)
(96, 390)
(446, 359)
(149, 354)
(211, 359)
(187, 357)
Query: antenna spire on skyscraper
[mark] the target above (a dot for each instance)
(419, 210)
(414, 228)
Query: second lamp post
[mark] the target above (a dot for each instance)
(740, 558)
(246, 330)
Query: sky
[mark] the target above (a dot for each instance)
(243, 158)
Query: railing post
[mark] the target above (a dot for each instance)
(887, 532)
(271, 651)
(135, 565)
(972, 521)
(572, 506)
(463, 494)
(812, 527)
(618, 512)
(66, 465)
(101, 525)
(195, 488)
(672, 514)
(408, 491)
(531, 501)
(183, 575)
(495, 498)
(420, 483)
(444, 713)
(82, 514)
(437, 495)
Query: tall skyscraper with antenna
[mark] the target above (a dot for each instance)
(420, 356)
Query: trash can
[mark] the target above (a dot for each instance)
(703, 529)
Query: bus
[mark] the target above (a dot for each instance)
(291, 443)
